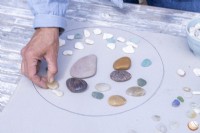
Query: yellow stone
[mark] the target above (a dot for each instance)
(123, 63)
(116, 100)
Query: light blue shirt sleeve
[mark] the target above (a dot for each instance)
(49, 13)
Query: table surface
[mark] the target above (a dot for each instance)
(16, 29)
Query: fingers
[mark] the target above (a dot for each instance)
(52, 67)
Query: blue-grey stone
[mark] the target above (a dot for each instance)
(146, 63)
(97, 95)
(78, 36)
(111, 40)
(141, 82)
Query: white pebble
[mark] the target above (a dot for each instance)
(197, 26)
(58, 93)
(97, 31)
(132, 44)
(61, 42)
(128, 49)
(86, 33)
(107, 36)
(111, 46)
(181, 72)
(196, 71)
(89, 41)
(54, 85)
(79, 45)
(121, 39)
(68, 52)
(70, 37)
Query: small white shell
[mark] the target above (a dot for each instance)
(58, 93)
(107, 36)
(128, 49)
(181, 72)
(111, 46)
(70, 37)
(61, 42)
(54, 85)
(121, 39)
(89, 41)
(86, 33)
(68, 52)
(97, 31)
(132, 44)
(79, 45)
(196, 71)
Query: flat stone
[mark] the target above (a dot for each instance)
(89, 41)
(107, 36)
(97, 95)
(121, 39)
(128, 49)
(85, 67)
(180, 98)
(111, 40)
(181, 72)
(76, 85)
(97, 31)
(156, 118)
(186, 89)
(131, 44)
(120, 76)
(196, 72)
(116, 100)
(54, 85)
(86, 33)
(61, 42)
(175, 103)
(193, 125)
(79, 45)
(146, 63)
(123, 63)
(68, 52)
(135, 91)
(111, 46)
(58, 93)
(191, 114)
(78, 36)
(141, 82)
(70, 37)
(101, 87)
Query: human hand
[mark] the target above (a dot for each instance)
(43, 45)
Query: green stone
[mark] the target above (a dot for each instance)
(141, 82)
(180, 98)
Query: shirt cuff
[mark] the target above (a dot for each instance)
(46, 20)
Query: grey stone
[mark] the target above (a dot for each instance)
(97, 95)
(141, 82)
(135, 91)
(76, 85)
(120, 75)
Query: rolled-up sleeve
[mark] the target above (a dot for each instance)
(49, 13)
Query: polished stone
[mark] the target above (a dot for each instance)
(135, 91)
(70, 37)
(128, 49)
(78, 36)
(58, 93)
(180, 98)
(76, 85)
(196, 72)
(111, 40)
(120, 76)
(121, 39)
(191, 114)
(79, 45)
(89, 41)
(111, 46)
(97, 31)
(54, 85)
(85, 67)
(86, 33)
(116, 100)
(107, 36)
(146, 63)
(97, 95)
(131, 44)
(68, 52)
(123, 63)
(176, 103)
(181, 72)
(193, 125)
(141, 82)
(101, 87)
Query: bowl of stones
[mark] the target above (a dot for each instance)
(193, 36)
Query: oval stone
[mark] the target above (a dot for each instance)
(76, 85)
(97, 95)
(141, 82)
(123, 63)
(135, 91)
(175, 103)
(102, 87)
(120, 75)
(146, 63)
(116, 100)
(85, 67)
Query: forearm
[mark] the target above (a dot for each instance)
(49, 13)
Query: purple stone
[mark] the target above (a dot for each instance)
(176, 103)
(120, 75)
(76, 85)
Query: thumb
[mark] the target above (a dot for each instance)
(52, 68)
